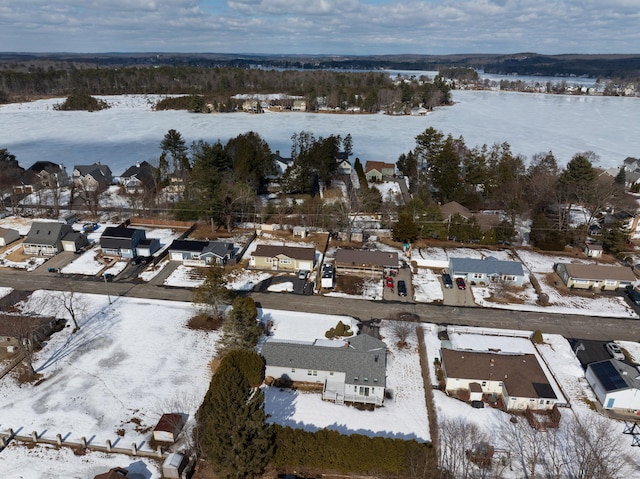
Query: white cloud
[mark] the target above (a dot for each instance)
(321, 26)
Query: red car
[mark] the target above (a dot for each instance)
(460, 283)
(389, 282)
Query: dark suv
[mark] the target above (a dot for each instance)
(402, 288)
(634, 295)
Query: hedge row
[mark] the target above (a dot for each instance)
(330, 450)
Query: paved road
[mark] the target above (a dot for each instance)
(570, 326)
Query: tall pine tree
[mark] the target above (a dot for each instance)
(233, 432)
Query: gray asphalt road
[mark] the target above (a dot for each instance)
(568, 325)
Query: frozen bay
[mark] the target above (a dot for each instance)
(130, 131)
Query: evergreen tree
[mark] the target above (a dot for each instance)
(621, 177)
(233, 432)
(241, 329)
(174, 147)
(405, 229)
(213, 293)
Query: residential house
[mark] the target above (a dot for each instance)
(74, 241)
(593, 276)
(454, 208)
(251, 106)
(615, 384)
(593, 250)
(344, 167)
(14, 329)
(487, 270)
(517, 379)
(362, 261)
(201, 253)
(283, 258)
(351, 370)
(42, 174)
(282, 164)
(8, 235)
(139, 178)
(376, 170)
(121, 241)
(299, 105)
(45, 238)
(92, 177)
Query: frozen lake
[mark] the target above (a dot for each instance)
(130, 131)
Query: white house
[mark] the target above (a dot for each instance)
(350, 370)
(518, 379)
(616, 384)
(488, 270)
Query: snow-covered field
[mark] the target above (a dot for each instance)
(130, 362)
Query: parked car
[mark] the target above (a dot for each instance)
(389, 282)
(615, 351)
(460, 283)
(402, 288)
(302, 274)
(477, 404)
(634, 295)
(446, 280)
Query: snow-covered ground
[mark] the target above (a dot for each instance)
(130, 362)
(404, 416)
(558, 361)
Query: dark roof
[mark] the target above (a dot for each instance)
(170, 422)
(365, 257)
(217, 248)
(615, 375)
(40, 166)
(115, 473)
(144, 172)
(118, 232)
(521, 374)
(296, 252)
(46, 233)
(488, 266)
(362, 358)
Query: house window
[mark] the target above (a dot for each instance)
(366, 380)
(285, 261)
(484, 383)
(364, 391)
(309, 372)
(499, 384)
(477, 275)
(268, 260)
(315, 373)
(356, 378)
(331, 373)
(293, 370)
(509, 278)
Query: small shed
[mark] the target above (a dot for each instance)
(146, 247)
(299, 232)
(174, 465)
(8, 235)
(593, 250)
(475, 392)
(168, 427)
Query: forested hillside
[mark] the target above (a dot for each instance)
(368, 91)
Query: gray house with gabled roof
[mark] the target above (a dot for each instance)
(488, 270)
(351, 370)
(201, 253)
(45, 238)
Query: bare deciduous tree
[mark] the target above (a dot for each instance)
(457, 436)
(402, 330)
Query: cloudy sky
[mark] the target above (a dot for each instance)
(321, 26)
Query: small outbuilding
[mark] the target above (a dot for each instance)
(74, 241)
(593, 250)
(168, 427)
(174, 465)
(8, 236)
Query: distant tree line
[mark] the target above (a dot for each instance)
(369, 91)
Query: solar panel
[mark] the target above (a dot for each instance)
(608, 376)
